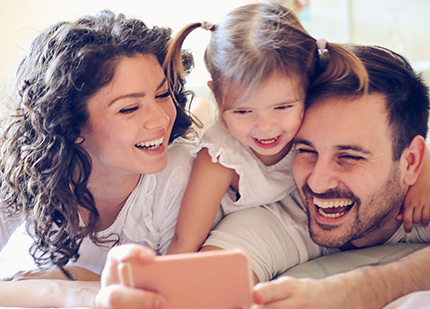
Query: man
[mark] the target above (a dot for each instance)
(357, 156)
(358, 153)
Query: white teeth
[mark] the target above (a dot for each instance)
(151, 145)
(267, 141)
(324, 205)
(321, 211)
(332, 204)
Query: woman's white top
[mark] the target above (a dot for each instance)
(148, 216)
(258, 184)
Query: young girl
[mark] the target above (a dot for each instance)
(261, 61)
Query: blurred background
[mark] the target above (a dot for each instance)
(401, 25)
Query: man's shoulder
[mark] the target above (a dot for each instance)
(419, 234)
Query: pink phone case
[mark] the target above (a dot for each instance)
(205, 280)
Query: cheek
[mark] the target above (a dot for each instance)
(300, 171)
(237, 127)
(171, 112)
(292, 123)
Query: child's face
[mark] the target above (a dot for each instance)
(268, 121)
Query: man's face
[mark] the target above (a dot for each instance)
(350, 184)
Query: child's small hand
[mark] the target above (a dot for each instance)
(416, 207)
(411, 215)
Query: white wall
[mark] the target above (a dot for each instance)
(402, 25)
(22, 20)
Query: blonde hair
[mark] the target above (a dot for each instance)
(256, 40)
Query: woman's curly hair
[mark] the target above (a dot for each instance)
(44, 173)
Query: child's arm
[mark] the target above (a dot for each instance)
(207, 185)
(416, 207)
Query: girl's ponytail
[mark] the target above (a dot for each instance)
(341, 63)
(173, 64)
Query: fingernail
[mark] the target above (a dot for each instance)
(160, 303)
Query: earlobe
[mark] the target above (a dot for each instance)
(210, 85)
(417, 159)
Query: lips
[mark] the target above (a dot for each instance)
(333, 208)
(151, 145)
(268, 142)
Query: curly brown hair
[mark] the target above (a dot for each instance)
(44, 172)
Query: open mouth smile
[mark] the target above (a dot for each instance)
(333, 208)
(267, 141)
(151, 145)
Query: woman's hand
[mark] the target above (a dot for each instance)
(114, 295)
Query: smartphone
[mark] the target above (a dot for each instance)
(220, 279)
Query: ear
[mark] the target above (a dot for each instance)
(210, 85)
(416, 156)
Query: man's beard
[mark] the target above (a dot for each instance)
(387, 200)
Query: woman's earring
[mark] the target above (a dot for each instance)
(80, 140)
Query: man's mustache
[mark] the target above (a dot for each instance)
(331, 194)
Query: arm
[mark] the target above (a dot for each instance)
(416, 208)
(48, 293)
(114, 295)
(76, 272)
(207, 185)
(366, 287)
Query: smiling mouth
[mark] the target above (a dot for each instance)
(151, 145)
(267, 141)
(333, 208)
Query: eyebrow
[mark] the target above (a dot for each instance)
(339, 147)
(135, 94)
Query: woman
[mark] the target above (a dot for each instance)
(85, 160)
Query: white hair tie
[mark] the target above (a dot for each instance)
(207, 25)
(322, 46)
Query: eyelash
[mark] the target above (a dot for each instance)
(347, 157)
(283, 107)
(164, 95)
(241, 112)
(128, 110)
(132, 109)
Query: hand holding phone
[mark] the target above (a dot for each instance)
(219, 279)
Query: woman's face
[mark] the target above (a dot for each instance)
(131, 119)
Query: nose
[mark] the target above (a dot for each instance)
(324, 176)
(156, 117)
(264, 123)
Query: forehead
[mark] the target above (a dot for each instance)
(347, 121)
(277, 87)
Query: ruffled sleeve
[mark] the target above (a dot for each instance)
(258, 184)
(7, 227)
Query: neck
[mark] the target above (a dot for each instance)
(378, 236)
(110, 194)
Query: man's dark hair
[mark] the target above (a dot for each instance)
(390, 74)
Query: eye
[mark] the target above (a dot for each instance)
(128, 110)
(305, 151)
(306, 154)
(351, 158)
(167, 94)
(283, 107)
(241, 111)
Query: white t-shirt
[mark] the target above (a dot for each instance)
(258, 184)
(148, 216)
(277, 238)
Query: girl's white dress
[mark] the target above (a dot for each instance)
(258, 184)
